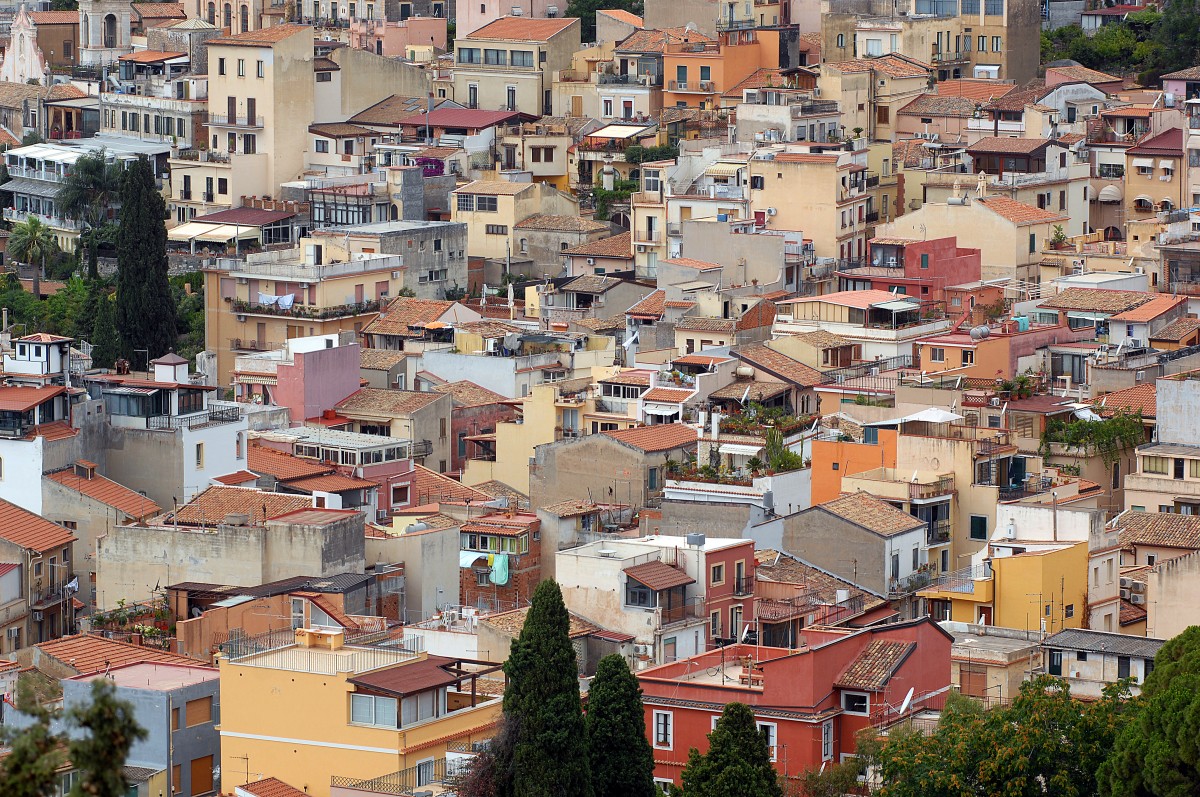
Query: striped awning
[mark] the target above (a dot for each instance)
(724, 169)
(255, 379)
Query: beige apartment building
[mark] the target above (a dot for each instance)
(492, 208)
(873, 90)
(510, 64)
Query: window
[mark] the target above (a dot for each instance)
(261, 69)
(496, 229)
(198, 711)
(856, 703)
(979, 524)
(220, 68)
(324, 77)
(714, 625)
(968, 357)
(1115, 171)
(521, 58)
(399, 494)
(756, 181)
(638, 595)
(175, 718)
(466, 201)
(841, 40)
(481, 578)
(996, 44)
(485, 204)
(1032, 243)
(1069, 610)
(241, 67)
(607, 107)
(222, 186)
(249, 143)
(199, 455)
(1155, 465)
(770, 730)
(717, 575)
(1123, 666)
(372, 710)
(1151, 559)
(663, 730)
(706, 73)
(297, 611)
(827, 740)
(1055, 665)
(322, 145)
(202, 774)
(468, 55)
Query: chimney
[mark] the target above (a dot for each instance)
(85, 470)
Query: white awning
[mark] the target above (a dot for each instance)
(661, 409)
(740, 448)
(1143, 198)
(1111, 193)
(1166, 164)
(723, 169)
(1143, 163)
(227, 232)
(186, 232)
(928, 415)
(896, 306)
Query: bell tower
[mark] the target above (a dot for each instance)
(104, 31)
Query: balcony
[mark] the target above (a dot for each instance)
(743, 586)
(185, 194)
(208, 197)
(250, 344)
(897, 485)
(243, 307)
(679, 614)
(949, 57)
(872, 217)
(203, 156)
(210, 417)
(652, 237)
(225, 120)
(724, 24)
(692, 86)
(973, 581)
(647, 198)
(58, 222)
(49, 175)
(938, 532)
(45, 598)
(429, 778)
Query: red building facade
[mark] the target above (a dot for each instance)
(811, 701)
(921, 269)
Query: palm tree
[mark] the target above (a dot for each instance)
(86, 195)
(31, 242)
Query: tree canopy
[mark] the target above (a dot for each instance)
(145, 308)
(738, 760)
(619, 753)
(87, 195)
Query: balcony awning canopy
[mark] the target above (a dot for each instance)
(1143, 163)
(927, 415)
(724, 169)
(740, 449)
(212, 233)
(1111, 193)
(661, 409)
(898, 306)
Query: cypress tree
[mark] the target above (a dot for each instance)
(548, 756)
(31, 767)
(106, 343)
(619, 753)
(99, 754)
(145, 310)
(737, 762)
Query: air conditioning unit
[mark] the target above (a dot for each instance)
(642, 650)
(1139, 270)
(241, 318)
(1125, 594)
(995, 401)
(14, 633)
(243, 281)
(641, 248)
(817, 91)
(1139, 586)
(1137, 599)
(591, 261)
(772, 211)
(304, 286)
(1126, 583)
(395, 275)
(37, 616)
(1139, 376)
(646, 80)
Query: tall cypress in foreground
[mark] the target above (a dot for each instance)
(548, 756)
(100, 753)
(145, 309)
(738, 760)
(620, 756)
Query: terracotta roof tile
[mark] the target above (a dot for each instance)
(753, 391)
(405, 312)
(378, 401)
(1018, 98)
(591, 283)
(655, 41)
(806, 157)
(494, 188)
(1081, 74)
(381, 359)
(431, 487)
(1131, 614)
(1139, 398)
(27, 530)
(1162, 303)
(706, 324)
(911, 152)
(939, 105)
(1019, 213)
(1157, 529)
(151, 56)
(469, 394)
(615, 246)
(632, 376)
(668, 395)
(1177, 330)
(660, 437)
(106, 491)
(857, 299)
(1191, 73)
(490, 328)
(689, 262)
(330, 483)
(264, 37)
(658, 575)
(864, 509)
(88, 654)
(1008, 145)
(23, 399)
(55, 17)
(1168, 143)
(210, 507)
(621, 15)
(238, 477)
(497, 489)
(271, 787)
(523, 29)
(504, 524)
(874, 667)
(779, 364)
(822, 339)
(1097, 300)
(599, 325)
(651, 305)
(339, 130)
(552, 223)
(573, 507)
(979, 89)
(759, 78)
(893, 65)
(512, 622)
(390, 111)
(157, 10)
(284, 467)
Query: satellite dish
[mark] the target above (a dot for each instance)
(907, 701)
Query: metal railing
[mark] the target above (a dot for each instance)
(743, 585)
(840, 375)
(173, 422)
(250, 344)
(404, 783)
(961, 580)
(307, 311)
(938, 532)
(240, 120)
(943, 485)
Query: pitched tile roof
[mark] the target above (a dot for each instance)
(22, 399)
(88, 654)
(658, 575)
(271, 787)
(477, 118)
(1019, 213)
(236, 478)
(27, 530)
(939, 105)
(1191, 73)
(490, 328)
(1081, 74)
(431, 487)
(590, 283)
(157, 10)
(263, 37)
(660, 437)
(497, 489)
(1104, 641)
(1018, 98)
(655, 41)
(1008, 145)
(494, 188)
(381, 359)
(57, 17)
(981, 89)
(330, 483)
(778, 364)
(599, 325)
(705, 323)
(892, 65)
(1147, 311)
(504, 524)
(690, 262)
(759, 78)
(1168, 143)
(573, 507)
(1131, 614)
(822, 339)
(1097, 300)
(668, 395)
(339, 130)
(867, 511)
(511, 622)
(523, 29)
(753, 391)
(390, 111)
(617, 246)
(378, 401)
(404, 312)
(210, 507)
(284, 467)
(106, 491)
(469, 394)
(910, 152)
(1177, 330)
(874, 666)
(621, 15)
(651, 305)
(552, 223)
(1160, 529)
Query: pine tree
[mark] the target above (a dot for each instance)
(145, 310)
(30, 769)
(99, 754)
(548, 755)
(620, 756)
(106, 343)
(738, 760)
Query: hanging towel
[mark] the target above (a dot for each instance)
(499, 575)
(467, 558)
(285, 301)
(267, 299)
(491, 559)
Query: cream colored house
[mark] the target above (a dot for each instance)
(510, 64)
(873, 90)
(492, 208)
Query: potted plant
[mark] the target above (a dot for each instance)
(1058, 240)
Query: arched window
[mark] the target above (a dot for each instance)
(841, 40)
(110, 31)
(212, 13)
(245, 18)
(228, 16)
